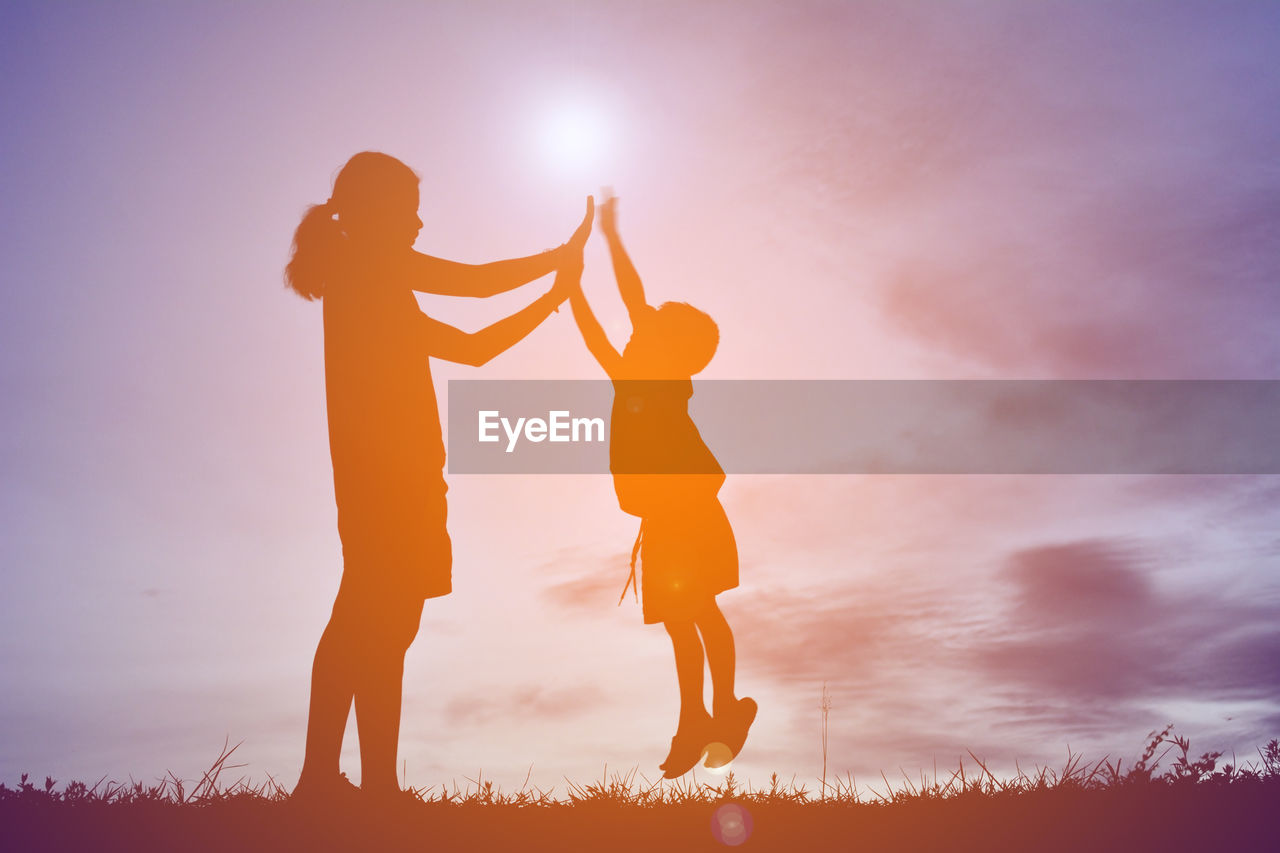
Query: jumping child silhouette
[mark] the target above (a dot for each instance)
(664, 473)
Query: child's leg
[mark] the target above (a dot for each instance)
(721, 656)
(689, 663)
(733, 716)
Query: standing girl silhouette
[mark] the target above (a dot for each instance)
(355, 252)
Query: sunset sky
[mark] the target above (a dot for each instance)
(853, 190)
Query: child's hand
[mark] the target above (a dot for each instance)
(609, 210)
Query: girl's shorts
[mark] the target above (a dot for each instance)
(397, 546)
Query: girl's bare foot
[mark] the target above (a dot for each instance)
(327, 791)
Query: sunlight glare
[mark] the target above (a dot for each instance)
(574, 138)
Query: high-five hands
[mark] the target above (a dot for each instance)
(579, 238)
(569, 275)
(609, 211)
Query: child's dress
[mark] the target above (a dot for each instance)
(665, 473)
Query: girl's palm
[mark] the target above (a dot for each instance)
(580, 236)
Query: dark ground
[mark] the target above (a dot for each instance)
(1238, 817)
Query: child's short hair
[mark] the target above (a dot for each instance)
(691, 335)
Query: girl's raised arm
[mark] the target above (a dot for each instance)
(477, 348)
(428, 274)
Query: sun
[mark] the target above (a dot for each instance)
(574, 137)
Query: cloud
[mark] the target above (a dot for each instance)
(1136, 282)
(1124, 223)
(525, 702)
(1078, 582)
(849, 632)
(1083, 641)
(592, 589)
(1087, 625)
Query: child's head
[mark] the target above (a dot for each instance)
(374, 201)
(678, 340)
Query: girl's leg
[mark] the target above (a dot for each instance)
(379, 692)
(332, 689)
(378, 701)
(717, 636)
(688, 651)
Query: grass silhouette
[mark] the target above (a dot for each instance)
(1195, 803)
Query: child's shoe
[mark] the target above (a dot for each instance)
(731, 730)
(687, 749)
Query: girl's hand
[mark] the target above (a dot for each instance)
(568, 282)
(579, 238)
(569, 274)
(570, 271)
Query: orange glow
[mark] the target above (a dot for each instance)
(851, 191)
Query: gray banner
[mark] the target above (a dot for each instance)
(890, 426)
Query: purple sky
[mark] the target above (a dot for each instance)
(853, 190)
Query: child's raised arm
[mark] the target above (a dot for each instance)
(593, 334)
(629, 284)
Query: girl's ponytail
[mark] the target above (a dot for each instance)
(363, 186)
(317, 244)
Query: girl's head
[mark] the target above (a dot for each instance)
(676, 340)
(374, 203)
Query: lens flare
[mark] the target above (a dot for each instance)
(717, 758)
(731, 824)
